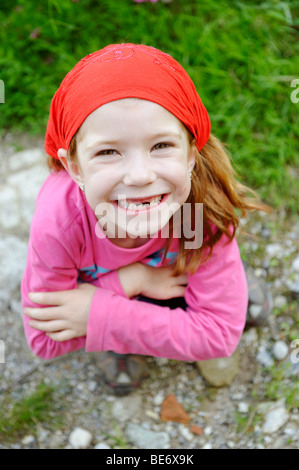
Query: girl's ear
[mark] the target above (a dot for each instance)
(192, 155)
(72, 168)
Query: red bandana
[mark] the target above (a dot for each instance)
(124, 71)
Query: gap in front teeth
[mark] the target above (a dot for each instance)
(139, 205)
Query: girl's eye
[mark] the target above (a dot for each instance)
(108, 152)
(161, 145)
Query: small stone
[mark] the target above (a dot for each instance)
(161, 361)
(264, 357)
(80, 438)
(295, 264)
(185, 433)
(250, 337)
(92, 386)
(208, 430)
(243, 407)
(260, 272)
(275, 419)
(42, 434)
(280, 301)
(280, 350)
(292, 363)
(274, 249)
(55, 440)
(28, 440)
(279, 443)
(291, 430)
(102, 445)
(173, 411)
(146, 439)
(255, 310)
(260, 446)
(294, 287)
(208, 445)
(152, 414)
(220, 372)
(237, 395)
(126, 408)
(231, 444)
(158, 399)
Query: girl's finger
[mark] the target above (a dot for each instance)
(63, 335)
(178, 291)
(182, 279)
(47, 326)
(49, 298)
(50, 313)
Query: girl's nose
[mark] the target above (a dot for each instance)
(139, 172)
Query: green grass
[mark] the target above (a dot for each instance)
(117, 439)
(242, 56)
(245, 423)
(277, 387)
(22, 416)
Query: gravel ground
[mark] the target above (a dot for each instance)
(256, 404)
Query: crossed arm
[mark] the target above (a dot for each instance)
(65, 313)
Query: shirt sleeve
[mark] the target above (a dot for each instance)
(210, 327)
(50, 267)
(111, 282)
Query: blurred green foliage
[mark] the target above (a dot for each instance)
(242, 56)
(23, 415)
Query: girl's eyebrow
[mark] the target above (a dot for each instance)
(159, 135)
(163, 135)
(101, 142)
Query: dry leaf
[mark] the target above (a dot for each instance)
(172, 411)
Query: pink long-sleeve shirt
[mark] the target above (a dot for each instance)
(64, 248)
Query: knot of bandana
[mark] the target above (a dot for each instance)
(124, 71)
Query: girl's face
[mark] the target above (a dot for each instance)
(135, 160)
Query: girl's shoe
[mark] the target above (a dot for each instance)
(123, 373)
(260, 302)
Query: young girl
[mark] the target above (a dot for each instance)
(109, 265)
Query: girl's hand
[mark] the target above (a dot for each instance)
(160, 283)
(156, 283)
(67, 314)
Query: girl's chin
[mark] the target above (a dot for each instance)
(140, 232)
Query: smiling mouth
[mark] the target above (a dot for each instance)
(140, 204)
